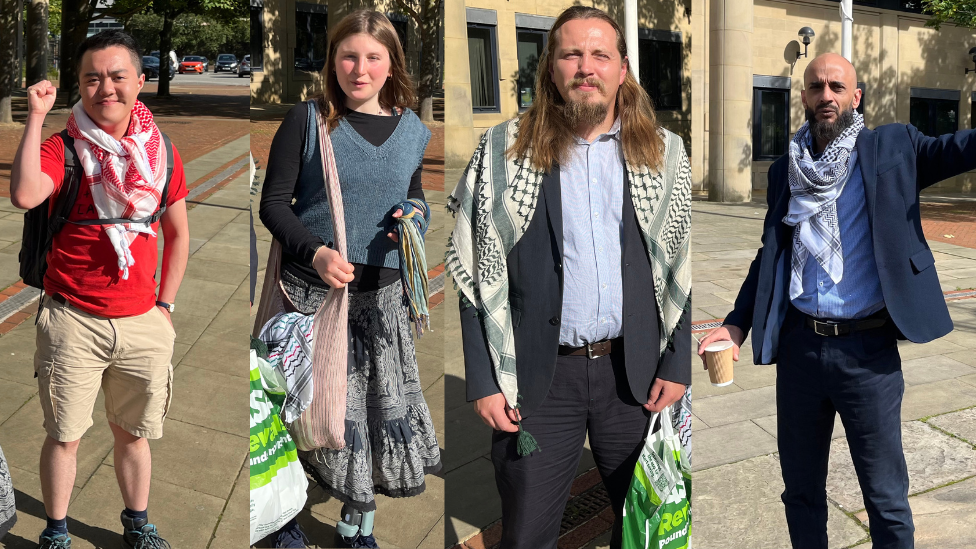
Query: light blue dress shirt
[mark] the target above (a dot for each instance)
(592, 188)
(858, 294)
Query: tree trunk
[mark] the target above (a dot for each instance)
(9, 16)
(165, 45)
(75, 16)
(430, 65)
(37, 55)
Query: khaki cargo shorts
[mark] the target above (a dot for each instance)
(129, 358)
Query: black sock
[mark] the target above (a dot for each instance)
(57, 526)
(136, 514)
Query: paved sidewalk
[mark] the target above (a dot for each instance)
(737, 478)
(200, 482)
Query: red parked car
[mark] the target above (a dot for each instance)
(193, 63)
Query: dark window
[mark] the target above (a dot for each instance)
(530, 44)
(770, 123)
(311, 36)
(483, 63)
(660, 72)
(401, 30)
(864, 97)
(257, 37)
(934, 117)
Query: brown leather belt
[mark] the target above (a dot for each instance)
(592, 350)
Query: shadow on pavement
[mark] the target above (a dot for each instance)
(99, 537)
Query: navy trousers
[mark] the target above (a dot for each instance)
(586, 396)
(859, 377)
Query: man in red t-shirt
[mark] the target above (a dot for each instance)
(101, 323)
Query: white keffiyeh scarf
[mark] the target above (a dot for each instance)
(126, 177)
(494, 202)
(815, 186)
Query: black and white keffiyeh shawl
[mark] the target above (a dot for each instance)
(815, 186)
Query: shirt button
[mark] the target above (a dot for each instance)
(604, 286)
(594, 180)
(596, 214)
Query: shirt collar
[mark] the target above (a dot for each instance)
(612, 133)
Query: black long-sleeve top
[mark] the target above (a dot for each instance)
(284, 167)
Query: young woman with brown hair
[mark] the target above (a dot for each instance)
(378, 145)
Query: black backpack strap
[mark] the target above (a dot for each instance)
(170, 159)
(68, 193)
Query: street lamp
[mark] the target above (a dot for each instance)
(973, 53)
(806, 33)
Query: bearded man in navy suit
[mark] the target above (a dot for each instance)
(843, 273)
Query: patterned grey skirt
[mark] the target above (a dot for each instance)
(390, 441)
(8, 513)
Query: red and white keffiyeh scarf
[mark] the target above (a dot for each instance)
(126, 177)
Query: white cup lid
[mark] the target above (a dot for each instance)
(716, 346)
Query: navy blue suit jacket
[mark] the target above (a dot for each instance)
(535, 281)
(897, 162)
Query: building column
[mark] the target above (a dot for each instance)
(37, 57)
(730, 101)
(459, 136)
(630, 37)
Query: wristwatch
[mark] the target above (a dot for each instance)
(168, 306)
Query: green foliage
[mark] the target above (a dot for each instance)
(959, 12)
(54, 17)
(193, 34)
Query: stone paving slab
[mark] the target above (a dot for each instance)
(729, 443)
(738, 506)
(961, 424)
(946, 518)
(934, 459)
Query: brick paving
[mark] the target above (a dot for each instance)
(950, 222)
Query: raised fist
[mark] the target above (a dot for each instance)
(40, 97)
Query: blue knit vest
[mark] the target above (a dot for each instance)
(373, 180)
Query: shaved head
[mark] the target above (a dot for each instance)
(829, 95)
(830, 66)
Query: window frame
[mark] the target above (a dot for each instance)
(670, 37)
(933, 97)
(545, 43)
(757, 92)
(494, 76)
(257, 9)
(307, 7)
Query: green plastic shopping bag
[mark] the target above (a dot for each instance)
(278, 482)
(656, 513)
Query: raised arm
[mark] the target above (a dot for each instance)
(939, 158)
(29, 186)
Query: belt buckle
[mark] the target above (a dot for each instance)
(816, 328)
(590, 351)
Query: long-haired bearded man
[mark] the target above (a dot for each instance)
(572, 256)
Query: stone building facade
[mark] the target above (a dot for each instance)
(750, 94)
(503, 39)
(289, 42)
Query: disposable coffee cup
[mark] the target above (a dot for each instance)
(718, 357)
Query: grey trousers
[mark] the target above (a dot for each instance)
(586, 397)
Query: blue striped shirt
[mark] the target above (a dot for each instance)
(592, 188)
(858, 294)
